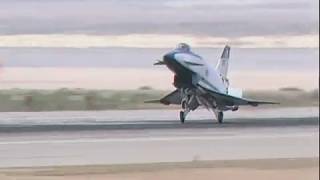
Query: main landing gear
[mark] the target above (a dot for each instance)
(220, 117)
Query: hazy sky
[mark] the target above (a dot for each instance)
(154, 23)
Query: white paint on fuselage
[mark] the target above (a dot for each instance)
(209, 77)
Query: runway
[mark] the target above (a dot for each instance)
(67, 138)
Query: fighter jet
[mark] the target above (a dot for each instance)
(198, 83)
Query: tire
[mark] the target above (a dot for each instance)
(220, 117)
(182, 117)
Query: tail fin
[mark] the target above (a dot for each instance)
(223, 63)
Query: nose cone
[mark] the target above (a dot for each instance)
(168, 58)
(171, 62)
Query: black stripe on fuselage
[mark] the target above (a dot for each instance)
(193, 64)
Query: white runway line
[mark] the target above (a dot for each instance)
(173, 138)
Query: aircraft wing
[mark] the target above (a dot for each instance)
(172, 98)
(235, 101)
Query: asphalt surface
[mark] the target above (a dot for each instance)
(122, 137)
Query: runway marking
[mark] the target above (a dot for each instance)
(172, 138)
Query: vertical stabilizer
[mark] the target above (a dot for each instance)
(223, 63)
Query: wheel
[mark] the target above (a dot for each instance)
(220, 117)
(182, 117)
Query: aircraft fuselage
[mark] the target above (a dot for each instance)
(191, 70)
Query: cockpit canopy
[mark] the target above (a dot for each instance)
(183, 47)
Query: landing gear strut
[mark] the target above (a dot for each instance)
(220, 117)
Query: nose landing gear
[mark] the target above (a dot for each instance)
(182, 117)
(184, 112)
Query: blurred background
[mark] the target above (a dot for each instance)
(95, 55)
